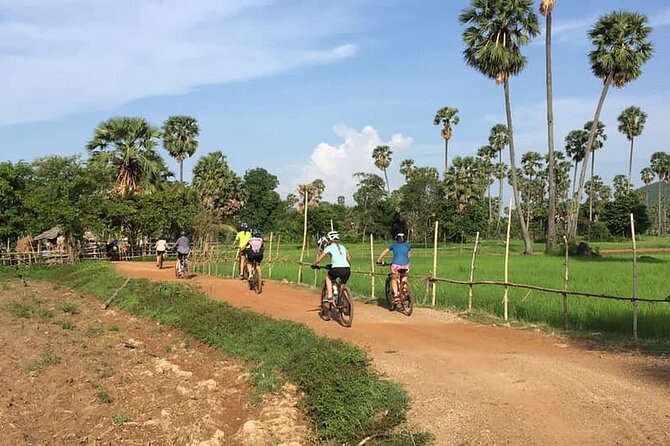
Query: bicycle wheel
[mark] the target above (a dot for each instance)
(345, 307)
(388, 292)
(407, 301)
(324, 308)
(160, 262)
(176, 269)
(258, 282)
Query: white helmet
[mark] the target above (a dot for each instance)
(333, 235)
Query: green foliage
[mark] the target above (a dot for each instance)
(104, 398)
(120, 419)
(47, 358)
(69, 308)
(180, 139)
(617, 215)
(263, 208)
(14, 180)
(220, 188)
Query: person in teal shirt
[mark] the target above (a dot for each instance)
(402, 251)
(341, 262)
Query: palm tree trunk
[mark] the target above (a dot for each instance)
(388, 187)
(528, 247)
(551, 227)
(304, 239)
(593, 163)
(630, 161)
(490, 207)
(576, 201)
(500, 193)
(660, 226)
(446, 155)
(181, 171)
(574, 177)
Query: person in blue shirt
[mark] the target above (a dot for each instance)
(340, 259)
(402, 251)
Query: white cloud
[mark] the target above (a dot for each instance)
(59, 57)
(336, 164)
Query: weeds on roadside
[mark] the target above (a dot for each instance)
(47, 358)
(69, 308)
(104, 397)
(65, 325)
(120, 419)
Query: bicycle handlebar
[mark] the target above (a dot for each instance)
(315, 266)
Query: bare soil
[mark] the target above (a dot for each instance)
(73, 373)
(479, 384)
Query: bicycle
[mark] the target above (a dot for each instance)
(255, 280)
(160, 260)
(342, 305)
(405, 301)
(181, 269)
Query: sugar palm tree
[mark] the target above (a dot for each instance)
(126, 144)
(660, 165)
(631, 124)
(547, 9)
(448, 117)
(598, 143)
(180, 135)
(531, 163)
(220, 189)
(382, 158)
(575, 147)
(495, 32)
(621, 48)
(486, 154)
(647, 177)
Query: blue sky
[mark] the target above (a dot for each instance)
(303, 88)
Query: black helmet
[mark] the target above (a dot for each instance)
(256, 232)
(244, 226)
(400, 236)
(182, 233)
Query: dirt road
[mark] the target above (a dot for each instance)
(475, 384)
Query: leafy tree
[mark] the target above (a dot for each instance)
(617, 215)
(647, 177)
(546, 9)
(263, 207)
(382, 158)
(465, 182)
(631, 124)
(498, 140)
(575, 147)
(621, 47)
(219, 187)
(369, 198)
(180, 135)
(660, 165)
(418, 199)
(448, 117)
(496, 31)
(486, 154)
(621, 186)
(598, 143)
(14, 182)
(126, 145)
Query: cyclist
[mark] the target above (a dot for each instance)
(241, 239)
(161, 247)
(341, 262)
(183, 247)
(402, 251)
(254, 250)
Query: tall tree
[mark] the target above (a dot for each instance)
(647, 177)
(263, 206)
(126, 145)
(660, 165)
(575, 147)
(180, 135)
(496, 31)
(486, 154)
(631, 124)
(531, 163)
(220, 189)
(547, 9)
(382, 158)
(498, 140)
(448, 117)
(598, 143)
(621, 48)
(465, 182)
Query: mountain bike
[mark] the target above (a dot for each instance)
(405, 301)
(181, 269)
(255, 279)
(342, 307)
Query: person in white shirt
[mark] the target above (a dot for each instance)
(161, 247)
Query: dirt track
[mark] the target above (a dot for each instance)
(475, 384)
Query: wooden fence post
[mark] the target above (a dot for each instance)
(270, 257)
(472, 271)
(566, 278)
(372, 264)
(506, 295)
(634, 296)
(304, 240)
(435, 262)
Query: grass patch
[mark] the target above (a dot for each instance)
(69, 308)
(66, 325)
(104, 397)
(120, 419)
(20, 310)
(344, 397)
(47, 358)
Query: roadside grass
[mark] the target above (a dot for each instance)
(609, 274)
(344, 397)
(47, 358)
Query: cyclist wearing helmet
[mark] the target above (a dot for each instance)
(402, 251)
(341, 261)
(241, 239)
(183, 246)
(254, 249)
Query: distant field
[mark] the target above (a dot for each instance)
(610, 274)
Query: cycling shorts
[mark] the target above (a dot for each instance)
(395, 268)
(342, 272)
(253, 256)
(182, 255)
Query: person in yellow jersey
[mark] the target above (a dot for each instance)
(241, 239)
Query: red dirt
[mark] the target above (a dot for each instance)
(478, 384)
